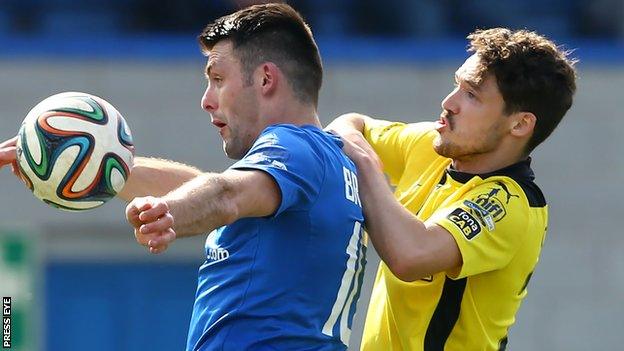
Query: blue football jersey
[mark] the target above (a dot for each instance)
(289, 281)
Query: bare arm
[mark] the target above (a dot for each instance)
(201, 205)
(212, 200)
(149, 176)
(8, 155)
(407, 246)
(155, 177)
(411, 249)
(349, 122)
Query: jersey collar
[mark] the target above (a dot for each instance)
(519, 170)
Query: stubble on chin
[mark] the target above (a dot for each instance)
(442, 148)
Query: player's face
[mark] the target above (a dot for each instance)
(472, 122)
(231, 101)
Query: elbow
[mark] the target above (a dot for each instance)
(404, 272)
(227, 211)
(230, 213)
(409, 267)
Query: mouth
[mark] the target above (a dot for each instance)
(221, 126)
(441, 123)
(445, 121)
(218, 123)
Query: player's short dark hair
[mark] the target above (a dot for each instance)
(532, 74)
(271, 33)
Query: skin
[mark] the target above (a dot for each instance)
(474, 130)
(231, 103)
(170, 200)
(240, 111)
(8, 155)
(479, 138)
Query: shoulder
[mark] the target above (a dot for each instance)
(403, 136)
(376, 128)
(421, 128)
(519, 176)
(532, 191)
(285, 135)
(289, 146)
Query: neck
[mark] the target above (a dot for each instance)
(292, 113)
(487, 162)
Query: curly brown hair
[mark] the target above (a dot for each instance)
(532, 73)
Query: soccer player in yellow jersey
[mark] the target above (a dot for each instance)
(460, 244)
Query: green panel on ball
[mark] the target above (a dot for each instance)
(97, 114)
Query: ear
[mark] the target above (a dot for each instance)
(268, 78)
(523, 124)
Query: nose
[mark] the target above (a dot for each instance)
(209, 100)
(450, 102)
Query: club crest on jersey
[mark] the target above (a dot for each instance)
(489, 202)
(466, 222)
(480, 213)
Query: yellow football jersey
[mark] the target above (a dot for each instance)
(499, 223)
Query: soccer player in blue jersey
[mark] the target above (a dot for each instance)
(285, 258)
(285, 254)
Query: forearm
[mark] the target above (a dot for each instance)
(155, 177)
(387, 222)
(408, 247)
(202, 204)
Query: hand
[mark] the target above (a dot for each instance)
(8, 155)
(152, 223)
(358, 149)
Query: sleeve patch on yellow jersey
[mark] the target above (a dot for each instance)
(469, 225)
(481, 214)
(489, 202)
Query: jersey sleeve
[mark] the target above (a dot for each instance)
(393, 142)
(290, 160)
(488, 224)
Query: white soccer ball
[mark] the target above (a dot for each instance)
(74, 151)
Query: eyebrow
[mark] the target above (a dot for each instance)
(208, 68)
(472, 84)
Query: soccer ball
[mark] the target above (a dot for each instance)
(74, 151)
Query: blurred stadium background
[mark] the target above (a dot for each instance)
(80, 282)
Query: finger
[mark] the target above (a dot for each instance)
(158, 249)
(10, 142)
(145, 203)
(132, 215)
(135, 207)
(165, 238)
(144, 239)
(7, 155)
(142, 203)
(368, 149)
(15, 169)
(371, 152)
(161, 224)
(156, 211)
